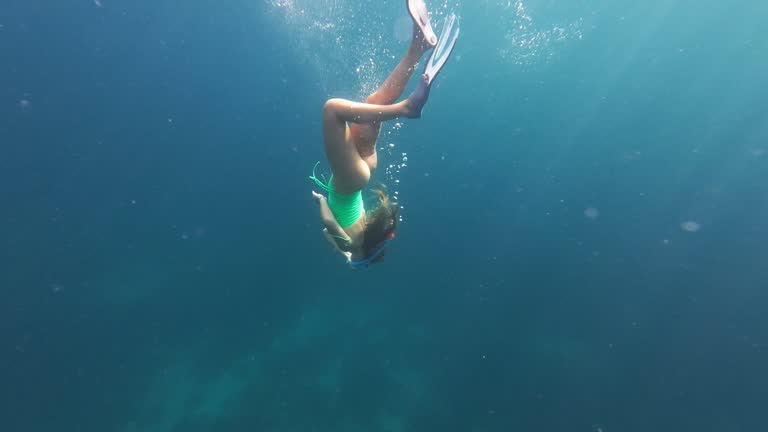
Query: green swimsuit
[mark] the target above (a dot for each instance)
(347, 209)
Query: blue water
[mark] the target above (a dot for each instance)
(582, 245)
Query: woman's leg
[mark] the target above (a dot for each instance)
(351, 151)
(351, 172)
(365, 134)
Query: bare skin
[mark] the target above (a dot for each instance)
(350, 131)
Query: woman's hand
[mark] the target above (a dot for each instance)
(317, 197)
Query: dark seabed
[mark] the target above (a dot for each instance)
(582, 246)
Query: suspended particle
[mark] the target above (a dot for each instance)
(690, 226)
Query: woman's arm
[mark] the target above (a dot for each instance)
(332, 226)
(335, 245)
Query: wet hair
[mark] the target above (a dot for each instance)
(380, 226)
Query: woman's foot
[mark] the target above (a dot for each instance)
(419, 43)
(416, 101)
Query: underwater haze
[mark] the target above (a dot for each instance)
(582, 245)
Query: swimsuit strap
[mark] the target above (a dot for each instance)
(324, 184)
(348, 240)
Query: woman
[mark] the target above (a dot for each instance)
(350, 130)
